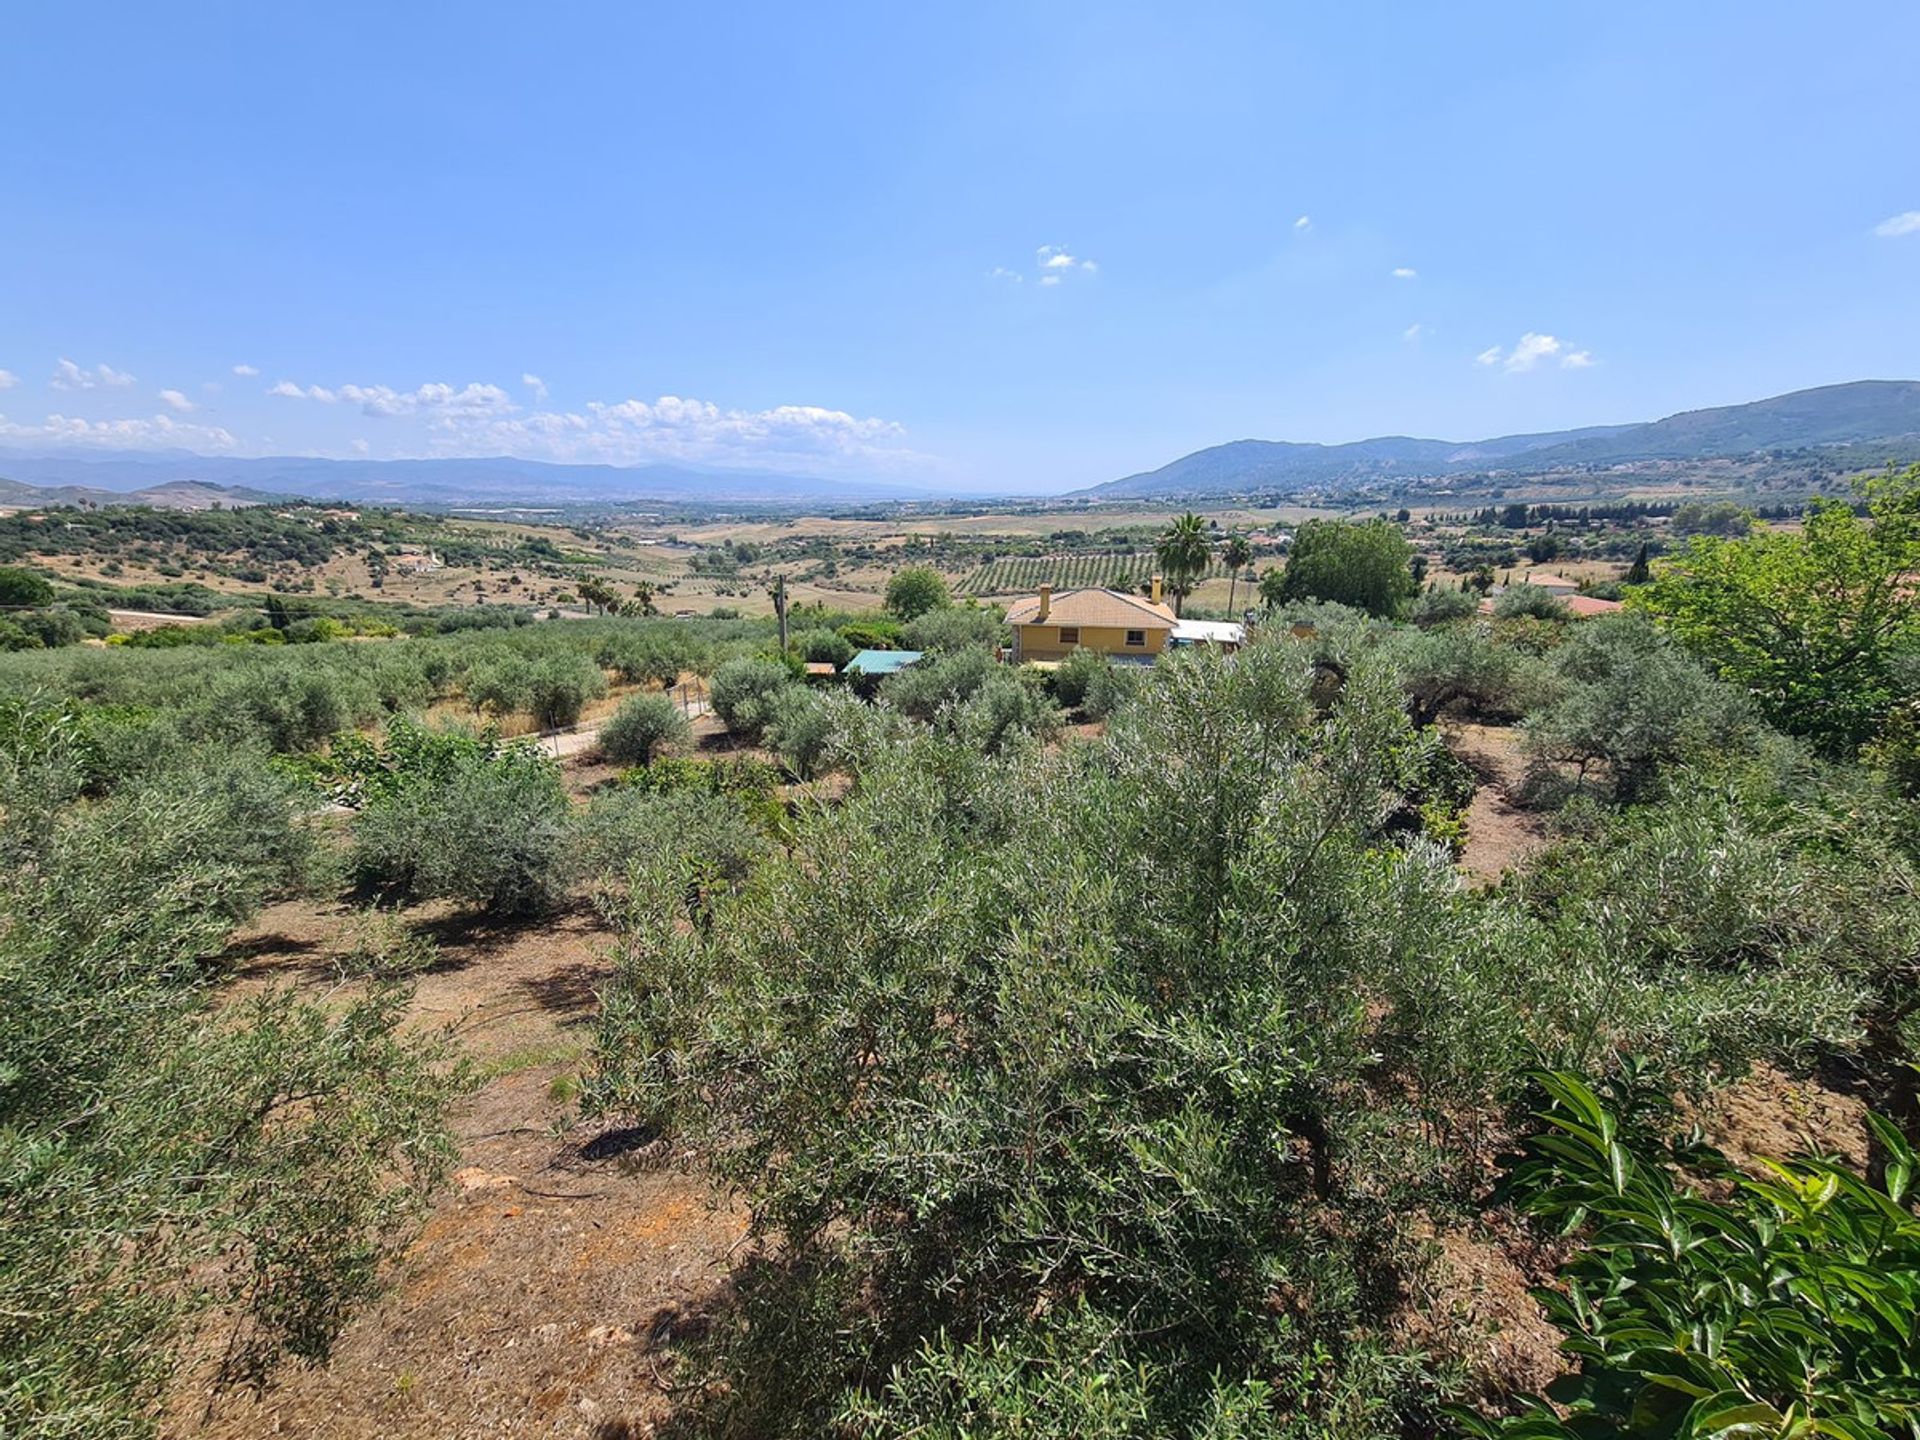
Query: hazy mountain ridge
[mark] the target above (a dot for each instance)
(172, 495)
(139, 477)
(1858, 412)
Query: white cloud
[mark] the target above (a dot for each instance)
(694, 431)
(1905, 223)
(384, 402)
(1056, 261)
(69, 376)
(8, 379)
(245, 370)
(1049, 279)
(1530, 350)
(1000, 272)
(1404, 272)
(291, 391)
(1413, 331)
(119, 434)
(479, 419)
(177, 401)
(1304, 223)
(536, 385)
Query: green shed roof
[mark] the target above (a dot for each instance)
(881, 662)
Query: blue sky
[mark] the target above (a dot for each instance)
(983, 246)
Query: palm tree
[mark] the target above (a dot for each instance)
(1183, 553)
(1237, 555)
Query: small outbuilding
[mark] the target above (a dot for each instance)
(1226, 635)
(881, 662)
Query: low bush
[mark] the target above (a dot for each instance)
(492, 833)
(824, 647)
(641, 728)
(1533, 601)
(166, 1162)
(742, 690)
(875, 634)
(1008, 706)
(1440, 607)
(558, 687)
(923, 690)
(952, 628)
(1631, 703)
(1075, 675)
(709, 839)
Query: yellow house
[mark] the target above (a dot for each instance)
(1051, 627)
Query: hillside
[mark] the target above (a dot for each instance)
(1861, 412)
(172, 495)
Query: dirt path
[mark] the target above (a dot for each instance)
(562, 744)
(1501, 836)
(153, 619)
(526, 1304)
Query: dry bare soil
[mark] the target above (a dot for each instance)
(558, 1255)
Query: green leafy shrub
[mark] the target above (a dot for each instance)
(1630, 704)
(493, 832)
(750, 782)
(1532, 601)
(558, 687)
(1006, 707)
(800, 727)
(949, 628)
(877, 634)
(641, 728)
(915, 590)
(1441, 607)
(708, 840)
(21, 589)
(1772, 1307)
(1459, 669)
(1074, 676)
(924, 690)
(742, 690)
(1042, 1146)
(824, 647)
(167, 1163)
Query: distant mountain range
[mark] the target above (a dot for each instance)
(1863, 412)
(180, 480)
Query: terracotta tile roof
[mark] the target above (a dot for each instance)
(1590, 605)
(1094, 607)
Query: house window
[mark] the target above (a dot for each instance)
(1137, 639)
(1069, 634)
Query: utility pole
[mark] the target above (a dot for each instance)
(779, 593)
